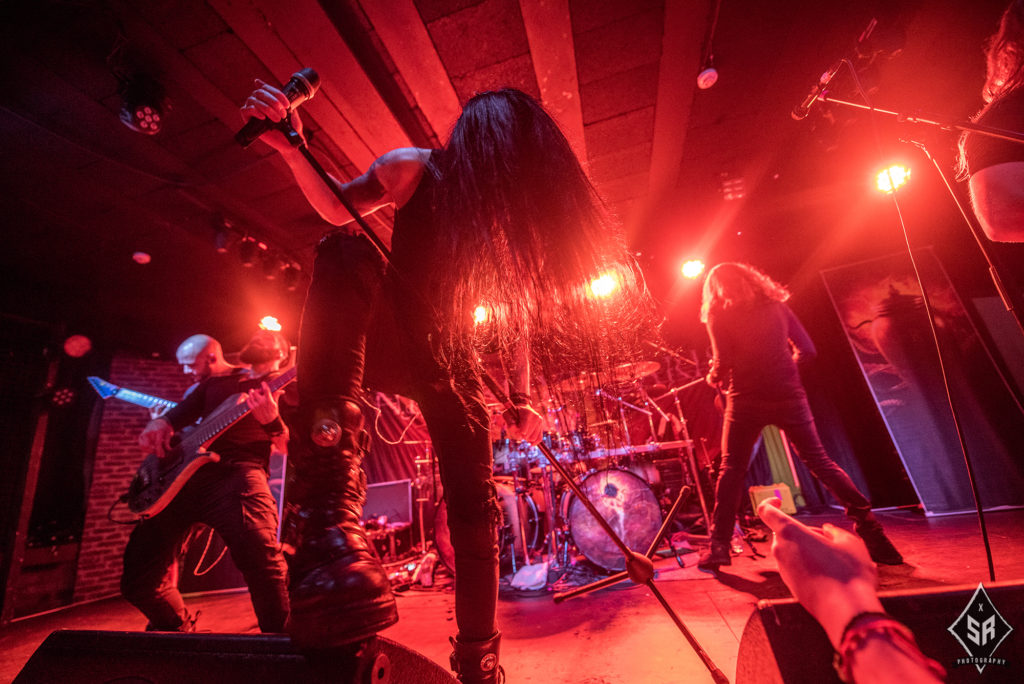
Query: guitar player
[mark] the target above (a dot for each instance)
(232, 495)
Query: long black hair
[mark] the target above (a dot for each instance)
(525, 234)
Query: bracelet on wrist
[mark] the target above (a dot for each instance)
(274, 427)
(872, 624)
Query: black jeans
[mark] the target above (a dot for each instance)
(234, 500)
(744, 420)
(345, 304)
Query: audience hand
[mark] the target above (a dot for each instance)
(828, 570)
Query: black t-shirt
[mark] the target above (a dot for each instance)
(754, 348)
(244, 442)
(1006, 113)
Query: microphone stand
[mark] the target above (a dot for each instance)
(1008, 301)
(639, 567)
(1010, 297)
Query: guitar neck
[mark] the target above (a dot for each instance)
(106, 390)
(145, 400)
(219, 421)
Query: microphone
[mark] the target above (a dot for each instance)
(804, 108)
(301, 87)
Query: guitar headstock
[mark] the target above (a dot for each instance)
(103, 388)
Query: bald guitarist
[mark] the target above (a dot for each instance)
(230, 495)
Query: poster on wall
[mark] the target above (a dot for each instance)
(881, 307)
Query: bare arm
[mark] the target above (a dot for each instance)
(391, 179)
(997, 193)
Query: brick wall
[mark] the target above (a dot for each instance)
(118, 455)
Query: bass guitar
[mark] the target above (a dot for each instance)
(107, 390)
(158, 480)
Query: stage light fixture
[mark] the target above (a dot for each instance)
(692, 268)
(603, 286)
(891, 179)
(271, 265)
(270, 323)
(290, 277)
(248, 251)
(77, 346)
(142, 104)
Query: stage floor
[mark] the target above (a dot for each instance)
(620, 634)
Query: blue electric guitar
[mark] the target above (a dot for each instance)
(108, 390)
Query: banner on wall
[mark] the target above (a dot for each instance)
(882, 310)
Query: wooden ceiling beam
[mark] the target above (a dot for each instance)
(289, 36)
(685, 26)
(401, 29)
(549, 32)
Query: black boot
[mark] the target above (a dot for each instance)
(720, 553)
(476, 662)
(339, 591)
(880, 548)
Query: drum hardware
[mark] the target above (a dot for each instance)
(639, 568)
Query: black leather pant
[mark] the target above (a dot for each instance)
(234, 500)
(744, 420)
(345, 301)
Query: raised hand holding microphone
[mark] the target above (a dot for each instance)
(267, 106)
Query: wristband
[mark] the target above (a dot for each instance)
(870, 624)
(274, 427)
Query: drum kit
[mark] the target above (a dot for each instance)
(627, 451)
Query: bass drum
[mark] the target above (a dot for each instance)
(509, 530)
(629, 506)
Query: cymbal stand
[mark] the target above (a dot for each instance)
(420, 498)
(623, 403)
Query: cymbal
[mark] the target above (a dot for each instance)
(635, 369)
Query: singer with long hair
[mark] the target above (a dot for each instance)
(501, 217)
(757, 343)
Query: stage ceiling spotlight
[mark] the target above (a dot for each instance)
(271, 266)
(692, 268)
(290, 277)
(249, 251)
(892, 178)
(142, 104)
(270, 323)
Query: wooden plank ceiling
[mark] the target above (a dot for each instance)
(619, 75)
